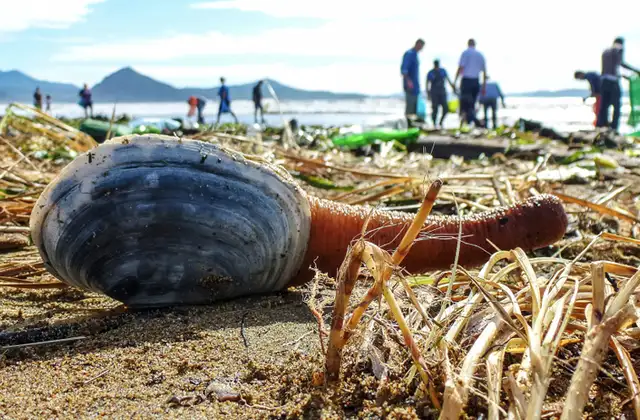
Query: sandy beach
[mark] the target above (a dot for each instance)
(73, 354)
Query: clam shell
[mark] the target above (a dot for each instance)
(155, 221)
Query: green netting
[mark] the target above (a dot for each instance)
(634, 99)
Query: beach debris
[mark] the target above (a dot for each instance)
(29, 120)
(222, 391)
(13, 241)
(573, 173)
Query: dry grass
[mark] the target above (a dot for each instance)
(525, 336)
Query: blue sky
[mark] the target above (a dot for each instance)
(340, 45)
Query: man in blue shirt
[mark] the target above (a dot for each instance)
(489, 99)
(594, 85)
(225, 102)
(437, 92)
(410, 70)
(470, 66)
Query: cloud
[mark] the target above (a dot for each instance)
(537, 47)
(351, 10)
(54, 14)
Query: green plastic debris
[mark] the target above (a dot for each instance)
(634, 99)
(99, 129)
(319, 182)
(353, 141)
(147, 129)
(604, 161)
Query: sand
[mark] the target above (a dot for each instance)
(154, 363)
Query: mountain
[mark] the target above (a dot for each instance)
(19, 87)
(127, 85)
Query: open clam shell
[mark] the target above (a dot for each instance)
(154, 221)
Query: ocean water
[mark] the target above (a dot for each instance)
(562, 114)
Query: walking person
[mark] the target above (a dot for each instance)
(200, 104)
(437, 92)
(225, 102)
(86, 101)
(471, 64)
(410, 70)
(489, 100)
(48, 104)
(257, 102)
(610, 92)
(594, 86)
(37, 99)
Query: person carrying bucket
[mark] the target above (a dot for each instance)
(437, 92)
(594, 85)
(410, 70)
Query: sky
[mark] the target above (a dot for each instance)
(337, 45)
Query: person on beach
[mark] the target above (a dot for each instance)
(37, 99)
(48, 104)
(410, 70)
(200, 104)
(471, 64)
(86, 101)
(257, 102)
(437, 92)
(225, 102)
(594, 86)
(489, 100)
(610, 91)
(193, 104)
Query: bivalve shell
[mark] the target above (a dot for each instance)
(156, 221)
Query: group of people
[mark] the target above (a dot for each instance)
(85, 101)
(472, 88)
(37, 100)
(476, 87)
(605, 86)
(197, 104)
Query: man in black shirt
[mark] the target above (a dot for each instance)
(257, 102)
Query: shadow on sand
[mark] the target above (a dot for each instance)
(121, 327)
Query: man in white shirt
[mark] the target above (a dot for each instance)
(471, 64)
